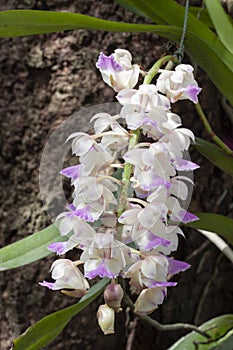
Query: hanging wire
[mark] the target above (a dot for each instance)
(180, 51)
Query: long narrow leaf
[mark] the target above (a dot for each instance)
(219, 328)
(48, 328)
(222, 22)
(216, 155)
(217, 223)
(173, 14)
(201, 14)
(29, 249)
(131, 8)
(201, 44)
(15, 23)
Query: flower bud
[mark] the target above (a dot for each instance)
(113, 295)
(106, 318)
(148, 300)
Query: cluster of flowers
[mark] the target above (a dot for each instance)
(135, 243)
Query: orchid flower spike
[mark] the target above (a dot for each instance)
(126, 226)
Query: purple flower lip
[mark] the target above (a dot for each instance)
(189, 217)
(155, 241)
(192, 91)
(184, 165)
(57, 247)
(101, 271)
(72, 172)
(185, 217)
(108, 63)
(176, 266)
(82, 213)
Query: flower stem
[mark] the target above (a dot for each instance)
(174, 326)
(210, 131)
(165, 327)
(155, 68)
(128, 168)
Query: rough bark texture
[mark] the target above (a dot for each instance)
(45, 79)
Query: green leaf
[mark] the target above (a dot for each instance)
(45, 330)
(16, 23)
(131, 8)
(221, 331)
(222, 22)
(216, 223)
(216, 155)
(201, 14)
(200, 43)
(166, 10)
(29, 249)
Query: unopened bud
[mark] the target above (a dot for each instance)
(113, 295)
(106, 318)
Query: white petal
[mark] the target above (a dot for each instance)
(125, 95)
